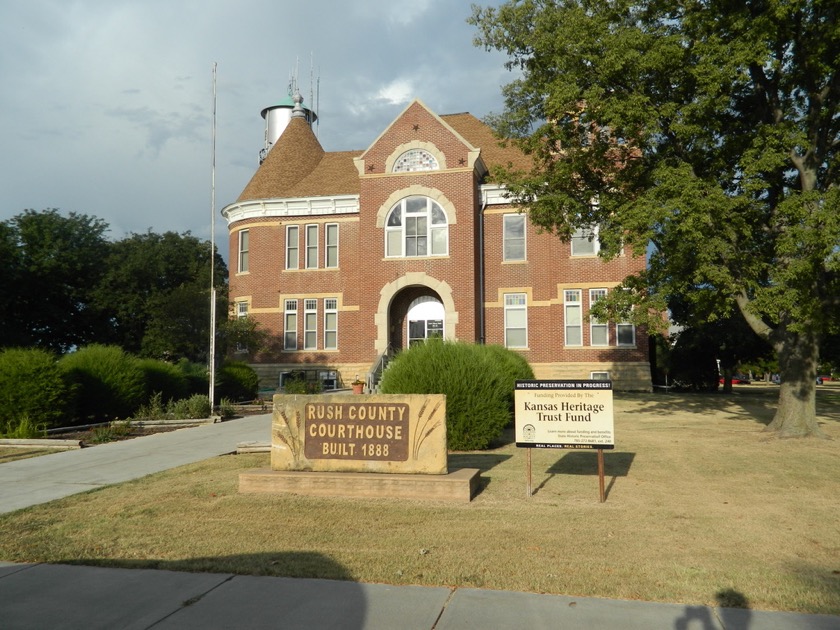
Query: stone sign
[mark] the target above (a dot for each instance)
(388, 433)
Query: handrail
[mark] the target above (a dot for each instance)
(375, 374)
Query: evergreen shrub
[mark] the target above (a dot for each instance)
(196, 375)
(163, 378)
(237, 381)
(478, 381)
(110, 382)
(34, 392)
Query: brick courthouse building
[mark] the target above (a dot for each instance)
(348, 256)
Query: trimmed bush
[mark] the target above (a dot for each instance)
(111, 383)
(196, 374)
(237, 381)
(163, 378)
(478, 382)
(34, 392)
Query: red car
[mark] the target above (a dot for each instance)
(738, 379)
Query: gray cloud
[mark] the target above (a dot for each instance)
(107, 104)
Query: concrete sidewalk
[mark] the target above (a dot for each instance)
(37, 480)
(62, 596)
(35, 596)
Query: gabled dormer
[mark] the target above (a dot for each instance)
(418, 140)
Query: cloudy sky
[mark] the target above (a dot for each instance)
(106, 105)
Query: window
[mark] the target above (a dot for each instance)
(416, 226)
(331, 245)
(514, 237)
(241, 312)
(292, 245)
(585, 242)
(599, 332)
(415, 160)
(625, 334)
(243, 251)
(330, 324)
(516, 320)
(290, 325)
(599, 376)
(311, 246)
(310, 324)
(572, 313)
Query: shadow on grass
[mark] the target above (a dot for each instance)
(483, 461)
(616, 464)
(756, 404)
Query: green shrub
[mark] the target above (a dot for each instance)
(196, 375)
(163, 378)
(111, 384)
(226, 409)
(478, 382)
(237, 381)
(34, 391)
(302, 386)
(192, 408)
(154, 409)
(110, 432)
(22, 427)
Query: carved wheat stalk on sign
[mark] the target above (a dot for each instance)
(423, 428)
(292, 440)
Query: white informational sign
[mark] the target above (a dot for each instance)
(564, 414)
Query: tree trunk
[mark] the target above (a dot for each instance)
(796, 415)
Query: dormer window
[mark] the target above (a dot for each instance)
(415, 160)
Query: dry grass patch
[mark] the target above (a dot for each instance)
(12, 453)
(702, 507)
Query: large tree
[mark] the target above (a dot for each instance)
(157, 290)
(52, 264)
(704, 130)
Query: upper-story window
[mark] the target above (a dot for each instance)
(585, 242)
(415, 160)
(311, 246)
(514, 237)
(243, 251)
(331, 245)
(292, 246)
(416, 226)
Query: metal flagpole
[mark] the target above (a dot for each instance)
(212, 376)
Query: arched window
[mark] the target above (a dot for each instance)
(415, 160)
(416, 226)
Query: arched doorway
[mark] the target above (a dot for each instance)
(397, 297)
(424, 319)
(415, 314)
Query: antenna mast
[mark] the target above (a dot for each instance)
(212, 376)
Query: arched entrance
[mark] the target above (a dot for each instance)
(427, 299)
(425, 319)
(416, 313)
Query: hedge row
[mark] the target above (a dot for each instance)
(100, 383)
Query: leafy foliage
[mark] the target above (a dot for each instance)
(54, 263)
(478, 382)
(162, 378)
(111, 383)
(33, 391)
(705, 132)
(157, 289)
(237, 381)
